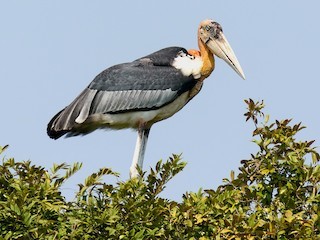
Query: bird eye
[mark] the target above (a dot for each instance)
(215, 29)
(217, 26)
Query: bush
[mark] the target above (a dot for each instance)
(274, 196)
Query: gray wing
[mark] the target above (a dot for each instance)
(139, 85)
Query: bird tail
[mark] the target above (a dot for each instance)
(54, 132)
(68, 121)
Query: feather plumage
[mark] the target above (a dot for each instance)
(146, 84)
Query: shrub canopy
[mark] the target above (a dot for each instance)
(275, 195)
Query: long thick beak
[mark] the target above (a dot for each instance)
(221, 47)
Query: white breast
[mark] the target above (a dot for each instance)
(188, 65)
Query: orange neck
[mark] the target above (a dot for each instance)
(207, 58)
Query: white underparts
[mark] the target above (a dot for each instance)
(188, 65)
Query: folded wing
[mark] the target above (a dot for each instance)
(145, 84)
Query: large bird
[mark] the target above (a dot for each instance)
(150, 89)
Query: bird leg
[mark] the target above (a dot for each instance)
(139, 151)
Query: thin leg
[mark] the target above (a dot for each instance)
(139, 151)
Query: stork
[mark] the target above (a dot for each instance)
(150, 89)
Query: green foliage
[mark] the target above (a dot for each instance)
(275, 195)
(31, 205)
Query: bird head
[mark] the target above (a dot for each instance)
(210, 33)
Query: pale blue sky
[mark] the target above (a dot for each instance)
(51, 50)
